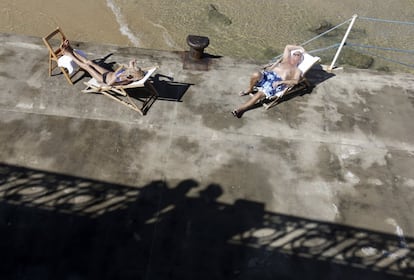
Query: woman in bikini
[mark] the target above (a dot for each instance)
(274, 79)
(121, 76)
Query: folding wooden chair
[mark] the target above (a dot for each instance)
(306, 64)
(120, 94)
(55, 52)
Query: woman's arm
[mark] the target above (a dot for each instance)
(113, 78)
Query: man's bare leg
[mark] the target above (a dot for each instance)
(250, 103)
(254, 79)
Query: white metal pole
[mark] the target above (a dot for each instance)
(343, 42)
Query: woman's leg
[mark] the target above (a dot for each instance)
(97, 67)
(92, 68)
(88, 68)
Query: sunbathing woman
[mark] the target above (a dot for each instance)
(274, 79)
(121, 76)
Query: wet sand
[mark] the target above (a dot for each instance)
(258, 30)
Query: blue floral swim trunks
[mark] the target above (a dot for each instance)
(266, 84)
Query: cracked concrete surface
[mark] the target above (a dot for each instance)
(343, 154)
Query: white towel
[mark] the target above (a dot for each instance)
(68, 63)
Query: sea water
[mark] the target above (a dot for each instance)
(256, 30)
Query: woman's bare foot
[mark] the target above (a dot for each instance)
(65, 46)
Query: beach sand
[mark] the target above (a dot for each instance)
(258, 30)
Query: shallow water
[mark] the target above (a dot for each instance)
(247, 29)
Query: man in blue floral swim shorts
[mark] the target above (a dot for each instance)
(266, 84)
(272, 81)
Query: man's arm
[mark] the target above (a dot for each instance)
(290, 82)
(289, 48)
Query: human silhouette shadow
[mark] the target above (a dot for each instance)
(55, 226)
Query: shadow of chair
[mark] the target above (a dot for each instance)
(316, 75)
(168, 89)
(122, 93)
(307, 63)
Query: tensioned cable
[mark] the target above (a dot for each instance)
(327, 31)
(334, 46)
(316, 37)
(357, 45)
(386, 20)
(380, 48)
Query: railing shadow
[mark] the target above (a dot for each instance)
(55, 226)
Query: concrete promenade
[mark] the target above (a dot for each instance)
(318, 187)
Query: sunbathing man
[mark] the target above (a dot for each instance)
(122, 76)
(274, 79)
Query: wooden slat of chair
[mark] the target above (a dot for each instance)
(56, 52)
(303, 83)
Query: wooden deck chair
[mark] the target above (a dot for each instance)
(53, 41)
(120, 92)
(304, 66)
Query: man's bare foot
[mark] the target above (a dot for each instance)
(244, 92)
(236, 113)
